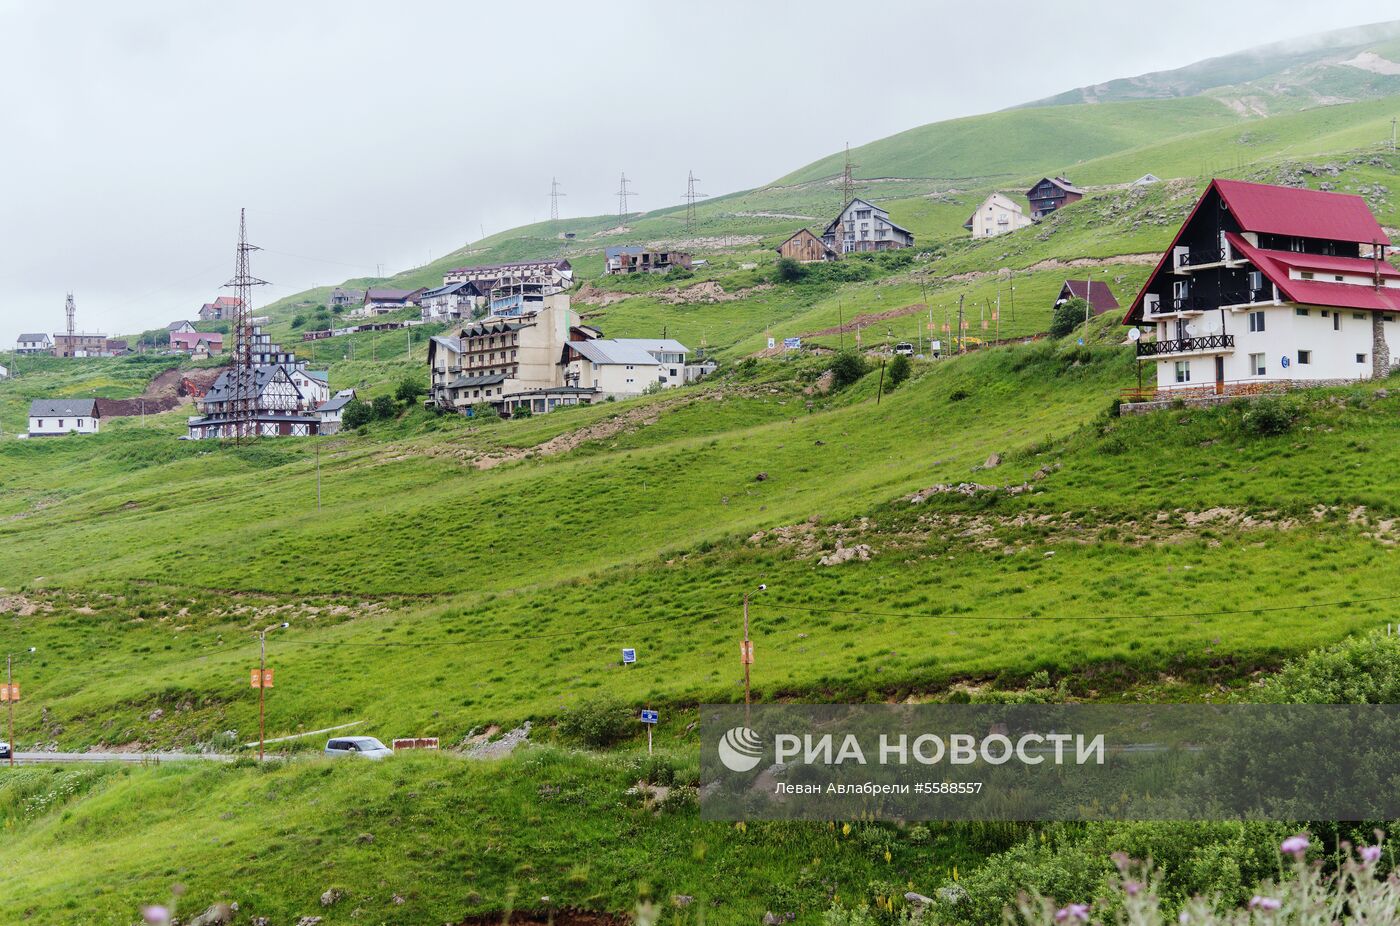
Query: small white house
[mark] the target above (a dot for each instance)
(331, 410)
(52, 417)
(38, 343)
(4, 371)
(997, 215)
(624, 367)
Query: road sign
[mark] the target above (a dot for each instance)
(746, 652)
(9, 692)
(651, 716)
(792, 343)
(261, 679)
(629, 655)
(772, 343)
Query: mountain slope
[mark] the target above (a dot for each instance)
(1329, 67)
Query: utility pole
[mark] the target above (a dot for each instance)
(318, 473)
(848, 186)
(1392, 132)
(962, 336)
(11, 696)
(746, 654)
(1088, 292)
(554, 195)
(690, 197)
(840, 324)
(264, 682)
(623, 194)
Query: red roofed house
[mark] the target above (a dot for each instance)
(1267, 284)
(1100, 297)
(190, 341)
(221, 309)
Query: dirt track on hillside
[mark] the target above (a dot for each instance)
(169, 389)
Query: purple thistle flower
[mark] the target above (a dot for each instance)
(1295, 845)
(1258, 902)
(155, 915)
(1074, 912)
(1370, 854)
(1132, 888)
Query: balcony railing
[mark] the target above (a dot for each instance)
(1185, 345)
(1199, 258)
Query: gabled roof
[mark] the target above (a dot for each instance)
(603, 351)
(806, 231)
(1101, 300)
(1303, 213)
(1277, 210)
(1276, 264)
(65, 408)
(390, 295)
(176, 325)
(884, 215)
(660, 345)
(1060, 182)
(451, 288)
(335, 403)
(617, 250)
(321, 376)
(226, 300)
(33, 337)
(223, 389)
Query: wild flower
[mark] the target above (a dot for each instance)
(1370, 854)
(1260, 902)
(1294, 845)
(155, 915)
(1075, 912)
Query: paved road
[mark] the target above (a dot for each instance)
(65, 758)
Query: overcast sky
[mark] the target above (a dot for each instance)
(363, 135)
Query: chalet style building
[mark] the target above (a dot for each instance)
(1266, 286)
(452, 300)
(1096, 292)
(284, 394)
(221, 309)
(997, 215)
(1050, 194)
(382, 301)
(806, 248)
(862, 226)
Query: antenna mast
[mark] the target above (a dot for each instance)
(243, 403)
(70, 309)
(690, 197)
(848, 186)
(623, 193)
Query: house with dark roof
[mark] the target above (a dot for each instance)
(1052, 193)
(625, 259)
(863, 226)
(1266, 287)
(1096, 292)
(341, 298)
(806, 248)
(181, 326)
(454, 300)
(331, 410)
(36, 343)
(53, 417)
(381, 300)
(278, 406)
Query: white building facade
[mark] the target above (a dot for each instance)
(55, 417)
(997, 215)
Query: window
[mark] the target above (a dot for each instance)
(1256, 364)
(1304, 356)
(1256, 321)
(1300, 311)
(1183, 371)
(1256, 281)
(1325, 313)
(1360, 358)
(1336, 321)
(1306, 274)
(1358, 315)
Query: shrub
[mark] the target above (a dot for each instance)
(789, 270)
(1361, 670)
(409, 389)
(897, 373)
(383, 406)
(958, 394)
(847, 368)
(1067, 316)
(1269, 416)
(521, 413)
(357, 414)
(597, 723)
(484, 410)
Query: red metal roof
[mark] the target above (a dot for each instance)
(1275, 264)
(1283, 210)
(1103, 299)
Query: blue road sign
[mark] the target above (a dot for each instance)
(629, 655)
(651, 717)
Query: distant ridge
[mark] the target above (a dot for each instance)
(1309, 68)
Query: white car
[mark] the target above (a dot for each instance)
(4, 750)
(364, 746)
(904, 349)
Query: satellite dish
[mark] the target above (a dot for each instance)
(1134, 334)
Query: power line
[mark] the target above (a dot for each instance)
(554, 195)
(690, 197)
(623, 194)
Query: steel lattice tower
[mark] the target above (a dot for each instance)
(554, 195)
(690, 197)
(70, 309)
(243, 387)
(622, 195)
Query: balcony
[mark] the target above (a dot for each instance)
(1186, 261)
(1213, 344)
